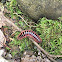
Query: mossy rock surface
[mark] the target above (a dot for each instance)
(41, 8)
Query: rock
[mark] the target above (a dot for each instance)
(33, 56)
(7, 56)
(59, 60)
(46, 60)
(41, 8)
(1, 11)
(2, 39)
(1, 52)
(1, 58)
(31, 59)
(27, 52)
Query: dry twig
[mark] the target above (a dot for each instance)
(24, 21)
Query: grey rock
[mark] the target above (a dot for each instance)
(59, 60)
(2, 39)
(1, 58)
(27, 52)
(46, 60)
(35, 9)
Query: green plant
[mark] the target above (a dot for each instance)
(13, 8)
(50, 32)
(23, 44)
(15, 12)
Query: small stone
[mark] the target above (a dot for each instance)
(27, 56)
(28, 52)
(46, 60)
(33, 56)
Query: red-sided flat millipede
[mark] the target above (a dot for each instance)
(31, 34)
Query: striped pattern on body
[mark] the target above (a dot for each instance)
(30, 33)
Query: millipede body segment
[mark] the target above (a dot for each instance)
(30, 33)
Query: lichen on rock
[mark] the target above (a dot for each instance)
(41, 8)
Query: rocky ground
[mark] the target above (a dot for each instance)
(25, 58)
(28, 56)
(33, 58)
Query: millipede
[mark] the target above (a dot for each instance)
(31, 34)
